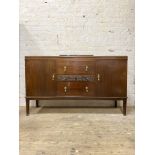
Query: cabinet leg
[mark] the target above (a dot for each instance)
(124, 107)
(37, 103)
(27, 106)
(115, 103)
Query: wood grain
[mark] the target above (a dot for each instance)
(109, 77)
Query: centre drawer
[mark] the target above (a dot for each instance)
(75, 67)
(75, 89)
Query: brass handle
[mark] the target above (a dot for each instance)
(65, 68)
(65, 89)
(86, 89)
(98, 77)
(86, 68)
(53, 76)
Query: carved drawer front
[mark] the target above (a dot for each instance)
(77, 78)
(75, 67)
(75, 89)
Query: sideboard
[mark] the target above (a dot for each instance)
(76, 77)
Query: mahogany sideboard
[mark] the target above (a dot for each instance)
(76, 77)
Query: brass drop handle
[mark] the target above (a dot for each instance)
(65, 89)
(86, 68)
(98, 77)
(86, 89)
(65, 68)
(53, 76)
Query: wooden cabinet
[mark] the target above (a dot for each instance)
(76, 77)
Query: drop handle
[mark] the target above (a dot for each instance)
(65, 89)
(98, 77)
(86, 88)
(53, 77)
(65, 68)
(86, 68)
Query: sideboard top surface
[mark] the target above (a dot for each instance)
(77, 56)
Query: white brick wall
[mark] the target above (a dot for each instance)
(98, 27)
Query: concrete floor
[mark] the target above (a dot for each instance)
(76, 131)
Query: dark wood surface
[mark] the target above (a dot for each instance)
(109, 78)
(39, 74)
(75, 66)
(113, 78)
(76, 89)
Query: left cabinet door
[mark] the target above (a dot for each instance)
(40, 77)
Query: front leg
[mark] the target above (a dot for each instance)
(124, 106)
(27, 106)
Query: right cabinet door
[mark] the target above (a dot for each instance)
(111, 77)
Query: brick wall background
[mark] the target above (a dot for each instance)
(98, 27)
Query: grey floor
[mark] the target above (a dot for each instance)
(76, 131)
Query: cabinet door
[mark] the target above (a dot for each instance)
(112, 80)
(39, 77)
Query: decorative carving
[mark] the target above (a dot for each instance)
(75, 78)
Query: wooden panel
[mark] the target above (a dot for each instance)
(72, 66)
(113, 78)
(76, 89)
(39, 77)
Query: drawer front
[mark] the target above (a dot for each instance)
(75, 78)
(75, 67)
(75, 89)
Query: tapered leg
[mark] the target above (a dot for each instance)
(124, 107)
(27, 106)
(115, 103)
(37, 103)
